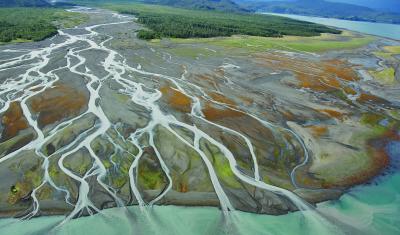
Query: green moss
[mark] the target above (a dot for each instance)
(371, 119)
(393, 49)
(120, 181)
(224, 171)
(386, 75)
(150, 179)
(383, 55)
(107, 164)
(53, 171)
(304, 44)
(35, 177)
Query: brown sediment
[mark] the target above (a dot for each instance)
(246, 100)
(220, 71)
(212, 113)
(183, 188)
(349, 90)
(319, 131)
(340, 70)
(380, 160)
(57, 103)
(210, 79)
(19, 191)
(289, 116)
(13, 121)
(364, 97)
(318, 76)
(333, 113)
(176, 99)
(222, 99)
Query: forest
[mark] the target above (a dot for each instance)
(34, 24)
(163, 21)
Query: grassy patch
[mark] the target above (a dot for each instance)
(393, 49)
(385, 76)
(388, 52)
(289, 43)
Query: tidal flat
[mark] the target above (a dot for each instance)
(94, 118)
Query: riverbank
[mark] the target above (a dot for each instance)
(391, 31)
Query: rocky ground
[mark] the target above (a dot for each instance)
(94, 118)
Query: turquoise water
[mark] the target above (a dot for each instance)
(368, 210)
(372, 209)
(378, 29)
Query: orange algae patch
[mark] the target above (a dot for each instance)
(246, 100)
(288, 115)
(13, 121)
(176, 99)
(183, 188)
(313, 83)
(212, 114)
(340, 70)
(318, 76)
(319, 131)
(222, 99)
(333, 113)
(371, 98)
(349, 90)
(57, 103)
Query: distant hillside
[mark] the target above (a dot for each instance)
(220, 5)
(384, 5)
(322, 8)
(24, 3)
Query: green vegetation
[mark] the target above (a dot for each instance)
(388, 52)
(181, 23)
(34, 24)
(386, 76)
(217, 5)
(253, 44)
(393, 49)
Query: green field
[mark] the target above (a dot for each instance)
(386, 76)
(253, 44)
(34, 24)
(171, 22)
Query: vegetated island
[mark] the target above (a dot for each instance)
(163, 21)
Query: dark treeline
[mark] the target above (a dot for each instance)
(26, 23)
(180, 23)
(35, 24)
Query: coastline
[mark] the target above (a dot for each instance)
(392, 31)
